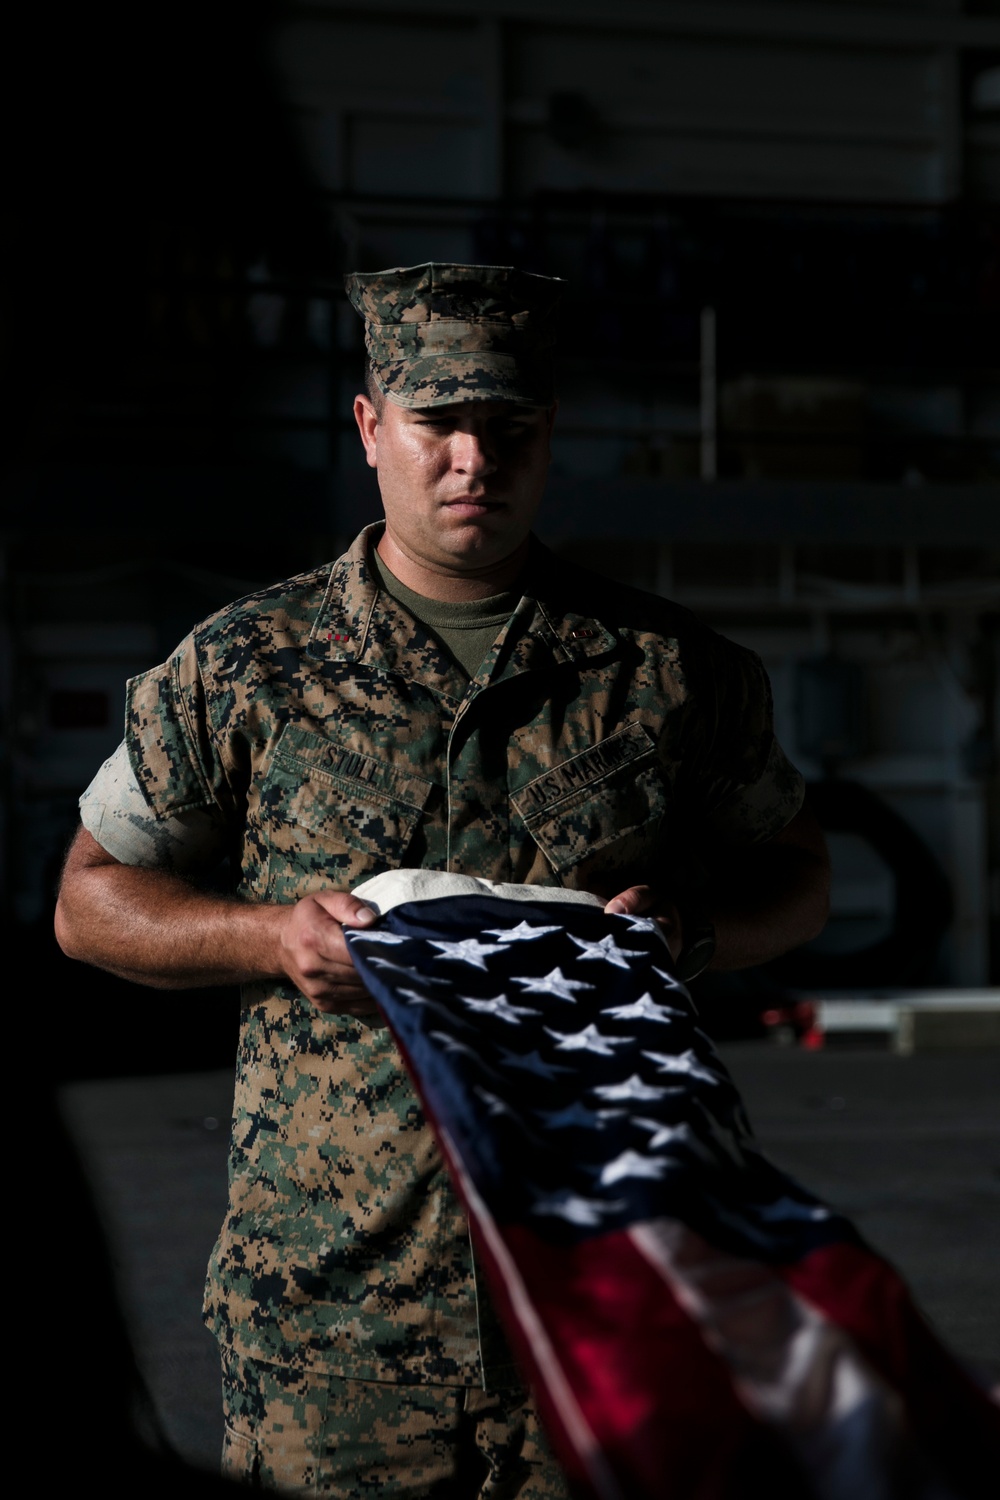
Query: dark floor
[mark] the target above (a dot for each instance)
(909, 1147)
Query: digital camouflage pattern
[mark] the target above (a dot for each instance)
(289, 1431)
(608, 738)
(437, 334)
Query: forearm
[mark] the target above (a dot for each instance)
(155, 928)
(152, 927)
(762, 900)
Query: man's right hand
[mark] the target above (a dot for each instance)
(156, 929)
(315, 956)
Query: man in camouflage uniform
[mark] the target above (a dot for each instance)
(446, 695)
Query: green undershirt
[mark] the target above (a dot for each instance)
(466, 630)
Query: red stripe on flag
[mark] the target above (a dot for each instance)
(657, 1400)
(953, 1419)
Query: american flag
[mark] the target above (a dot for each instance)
(692, 1321)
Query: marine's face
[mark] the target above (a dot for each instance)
(460, 484)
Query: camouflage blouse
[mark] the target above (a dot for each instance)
(607, 738)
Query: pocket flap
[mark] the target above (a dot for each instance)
(340, 793)
(612, 793)
(576, 778)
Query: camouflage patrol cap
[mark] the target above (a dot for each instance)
(438, 334)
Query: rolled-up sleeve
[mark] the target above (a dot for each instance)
(164, 799)
(170, 745)
(117, 816)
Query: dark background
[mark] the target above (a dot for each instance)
(781, 386)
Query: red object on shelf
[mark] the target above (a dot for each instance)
(799, 1017)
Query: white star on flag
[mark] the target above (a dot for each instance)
(632, 1088)
(683, 1062)
(669, 980)
(496, 1106)
(554, 983)
(415, 998)
(500, 1007)
(575, 1114)
(669, 1135)
(645, 924)
(467, 951)
(588, 1040)
(645, 1009)
(633, 1164)
(574, 1208)
(606, 951)
(452, 1044)
(522, 933)
(531, 1062)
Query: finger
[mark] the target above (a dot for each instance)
(345, 908)
(317, 931)
(318, 946)
(336, 987)
(638, 898)
(317, 958)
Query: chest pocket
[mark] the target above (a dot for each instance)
(600, 812)
(332, 816)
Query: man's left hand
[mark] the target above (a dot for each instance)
(763, 899)
(644, 901)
